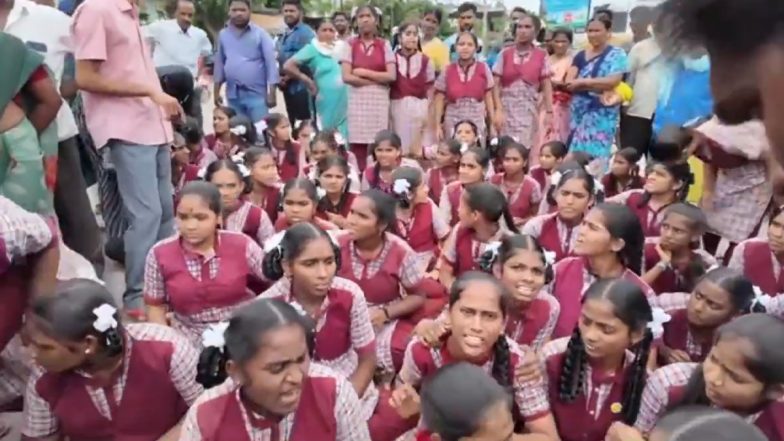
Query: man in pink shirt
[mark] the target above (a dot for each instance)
(129, 118)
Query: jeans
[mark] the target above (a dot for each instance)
(250, 104)
(144, 181)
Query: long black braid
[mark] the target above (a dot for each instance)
(572, 378)
(501, 362)
(635, 381)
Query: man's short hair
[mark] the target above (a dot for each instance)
(295, 3)
(467, 6)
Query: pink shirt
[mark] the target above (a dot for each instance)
(108, 31)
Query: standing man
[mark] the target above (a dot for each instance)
(342, 24)
(129, 118)
(297, 36)
(466, 16)
(245, 61)
(25, 19)
(177, 42)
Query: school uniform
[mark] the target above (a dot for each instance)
(188, 173)
(371, 178)
(270, 202)
(611, 189)
(754, 258)
(553, 234)
(203, 157)
(342, 208)
(283, 224)
(462, 251)
(310, 172)
(424, 230)
(288, 169)
(541, 176)
(409, 105)
(437, 178)
(450, 201)
(328, 410)
(593, 411)
(572, 278)
(523, 198)
(250, 220)
(201, 290)
(15, 369)
(147, 395)
(464, 92)
(677, 332)
(534, 326)
(650, 219)
(666, 387)
(673, 279)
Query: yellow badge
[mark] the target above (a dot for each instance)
(616, 408)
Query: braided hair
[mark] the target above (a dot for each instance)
(691, 423)
(414, 178)
(680, 171)
(622, 223)
(488, 200)
(632, 308)
(273, 121)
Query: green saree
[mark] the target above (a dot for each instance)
(28, 160)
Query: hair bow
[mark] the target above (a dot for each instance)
(549, 257)
(339, 139)
(215, 335)
(261, 125)
(201, 173)
(463, 148)
(105, 318)
(760, 298)
(401, 186)
(320, 193)
(274, 241)
(656, 325)
(243, 170)
(493, 248)
(494, 142)
(597, 186)
(555, 179)
(239, 158)
(240, 130)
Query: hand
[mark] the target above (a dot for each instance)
(272, 98)
(573, 85)
(621, 432)
(440, 133)
(360, 72)
(312, 88)
(431, 331)
(377, 318)
(529, 369)
(499, 120)
(170, 105)
(706, 201)
(405, 400)
(547, 119)
(337, 219)
(676, 356)
(664, 255)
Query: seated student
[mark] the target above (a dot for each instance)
(333, 176)
(326, 144)
(550, 156)
(289, 154)
(274, 390)
(474, 163)
(198, 152)
(673, 262)
(597, 375)
(299, 199)
(549, 203)
(445, 169)
(522, 192)
(693, 423)
(182, 171)
(387, 154)
(761, 259)
(263, 183)
(201, 274)
(624, 173)
(719, 296)
(98, 378)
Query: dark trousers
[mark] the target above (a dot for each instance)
(193, 106)
(297, 104)
(636, 132)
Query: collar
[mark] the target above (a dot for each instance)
(407, 57)
(598, 377)
(20, 10)
(118, 372)
(257, 421)
(201, 257)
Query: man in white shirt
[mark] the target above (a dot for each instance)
(47, 30)
(645, 69)
(466, 16)
(177, 42)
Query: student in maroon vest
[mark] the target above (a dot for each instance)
(674, 261)
(624, 174)
(238, 215)
(274, 390)
(333, 175)
(522, 192)
(464, 90)
(181, 168)
(522, 80)
(201, 274)
(305, 263)
(220, 141)
(288, 153)
(387, 153)
(444, 171)
(97, 378)
(388, 271)
(762, 260)
(419, 222)
(411, 93)
(474, 163)
(484, 219)
(331, 143)
(609, 245)
(597, 375)
(368, 67)
(665, 184)
(720, 296)
(299, 199)
(477, 314)
(573, 193)
(743, 373)
(263, 190)
(550, 155)
(690, 423)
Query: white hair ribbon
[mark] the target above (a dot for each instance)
(214, 335)
(656, 325)
(201, 173)
(274, 241)
(555, 179)
(760, 298)
(549, 257)
(339, 139)
(320, 193)
(493, 248)
(261, 126)
(239, 130)
(597, 186)
(243, 170)
(494, 142)
(105, 318)
(463, 148)
(401, 186)
(239, 158)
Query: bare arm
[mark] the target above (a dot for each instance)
(157, 314)
(45, 267)
(291, 68)
(47, 103)
(547, 91)
(363, 375)
(89, 79)
(490, 103)
(351, 79)
(377, 77)
(439, 105)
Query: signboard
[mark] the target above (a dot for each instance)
(571, 14)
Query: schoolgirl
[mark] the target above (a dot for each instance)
(477, 311)
(549, 205)
(464, 90)
(299, 198)
(288, 155)
(201, 274)
(720, 296)
(484, 219)
(199, 154)
(597, 375)
(387, 157)
(444, 172)
(609, 244)
(419, 222)
(368, 66)
(761, 259)
(665, 184)
(467, 132)
(496, 147)
(182, 171)
(303, 132)
(743, 373)
(624, 173)
(96, 377)
(331, 143)
(522, 192)
(674, 261)
(333, 176)
(550, 155)
(388, 271)
(572, 192)
(274, 390)
(264, 180)
(238, 215)
(243, 135)
(474, 163)
(305, 263)
(690, 423)
(220, 141)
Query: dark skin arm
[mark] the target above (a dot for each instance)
(45, 267)
(351, 79)
(363, 375)
(47, 103)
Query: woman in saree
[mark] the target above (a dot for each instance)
(594, 71)
(29, 102)
(327, 83)
(555, 127)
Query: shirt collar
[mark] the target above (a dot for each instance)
(20, 9)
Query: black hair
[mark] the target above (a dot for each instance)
(606, 23)
(491, 202)
(253, 154)
(622, 223)
(523, 150)
(700, 423)
(518, 9)
(630, 155)
(250, 137)
(337, 14)
(582, 158)
(207, 191)
(244, 337)
(775, 211)
(476, 43)
(226, 110)
(765, 361)
(445, 409)
(473, 125)
(698, 224)
(303, 184)
(605, 11)
(324, 204)
(738, 286)
(467, 6)
(69, 314)
(293, 243)
(292, 3)
(191, 131)
(384, 209)
(247, 2)
(534, 19)
(414, 177)
(510, 245)
(274, 120)
(224, 164)
(496, 146)
(642, 13)
(501, 371)
(680, 172)
(382, 136)
(670, 144)
(435, 12)
(571, 170)
(632, 308)
(373, 12)
(327, 137)
(557, 149)
(454, 147)
(569, 36)
(303, 123)
(481, 155)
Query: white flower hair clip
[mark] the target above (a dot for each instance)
(549, 257)
(239, 158)
(239, 130)
(104, 318)
(597, 186)
(274, 241)
(261, 126)
(463, 148)
(339, 139)
(761, 299)
(494, 142)
(401, 186)
(215, 336)
(493, 248)
(243, 170)
(713, 267)
(555, 179)
(312, 136)
(656, 325)
(321, 193)
(201, 173)
(514, 138)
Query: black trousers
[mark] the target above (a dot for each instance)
(297, 105)
(636, 132)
